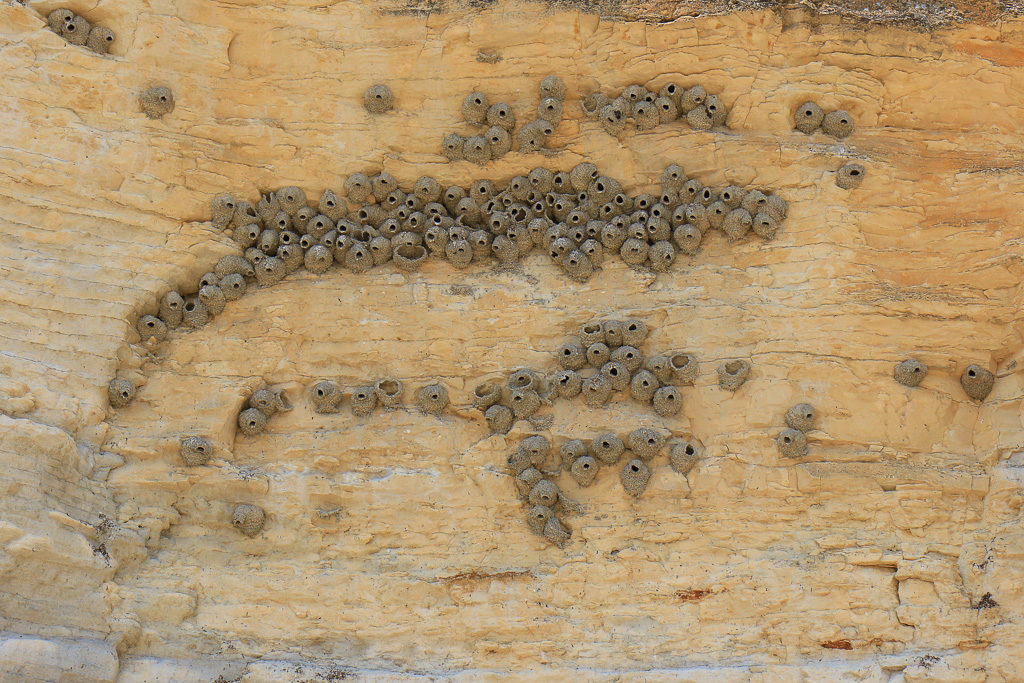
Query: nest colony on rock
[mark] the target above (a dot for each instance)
(648, 109)
(601, 361)
(498, 124)
(604, 358)
(579, 218)
(534, 473)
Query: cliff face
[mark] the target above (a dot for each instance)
(396, 544)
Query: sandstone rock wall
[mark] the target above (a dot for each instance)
(395, 545)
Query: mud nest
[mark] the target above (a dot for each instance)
(157, 102)
(195, 451)
(249, 519)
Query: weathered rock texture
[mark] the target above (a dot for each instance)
(395, 544)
